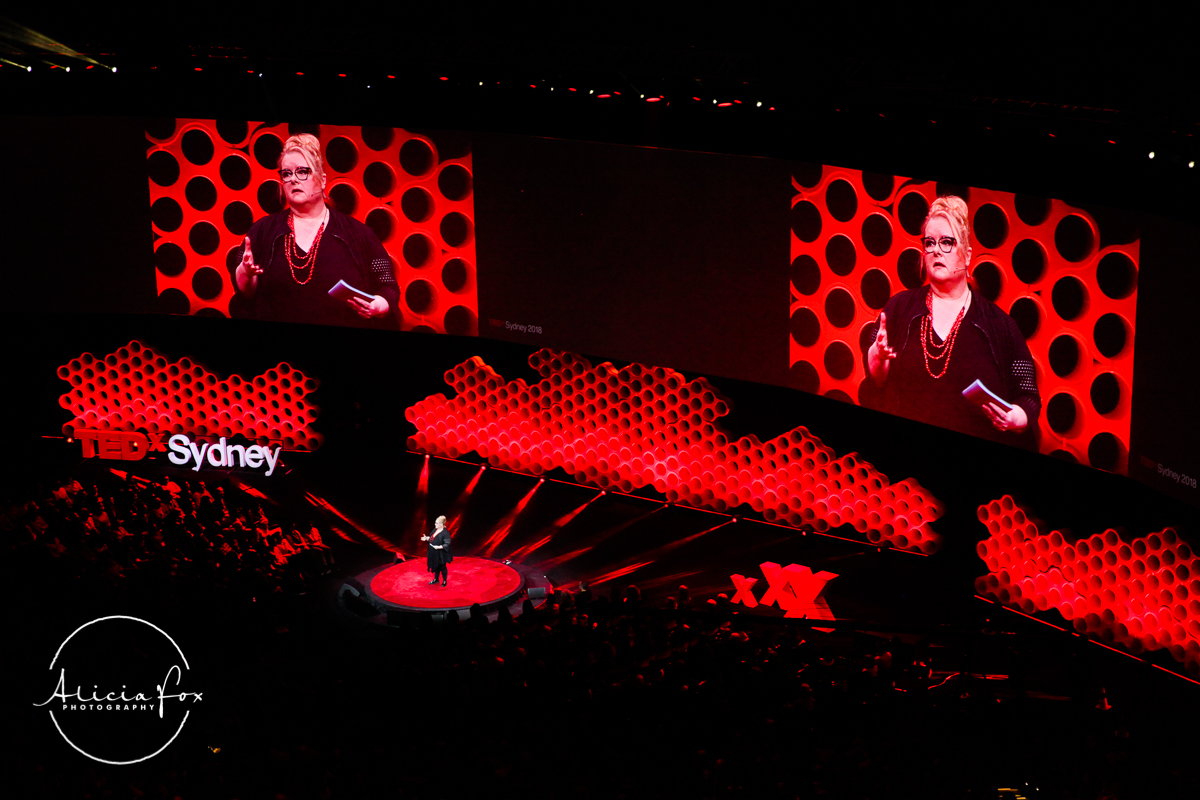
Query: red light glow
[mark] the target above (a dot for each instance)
(417, 527)
(460, 504)
(1142, 595)
(505, 525)
(618, 573)
(621, 430)
(137, 388)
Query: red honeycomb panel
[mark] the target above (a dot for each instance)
(648, 426)
(880, 245)
(437, 220)
(1144, 594)
(136, 388)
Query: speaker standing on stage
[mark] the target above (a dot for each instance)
(438, 554)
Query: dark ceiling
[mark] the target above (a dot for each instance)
(1058, 103)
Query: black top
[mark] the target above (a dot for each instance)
(348, 251)
(435, 558)
(939, 401)
(988, 347)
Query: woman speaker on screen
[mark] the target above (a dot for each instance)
(290, 261)
(932, 344)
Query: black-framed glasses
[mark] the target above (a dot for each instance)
(946, 244)
(302, 174)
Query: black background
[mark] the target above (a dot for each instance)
(665, 257)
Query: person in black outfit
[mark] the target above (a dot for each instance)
(438, 554)
(931, 343)
(289, 261)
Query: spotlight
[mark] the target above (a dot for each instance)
(1191, 164)
(1152, 154)
(758, 104)
(114, 69)
(68, 69)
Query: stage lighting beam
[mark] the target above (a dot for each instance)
(18, 38)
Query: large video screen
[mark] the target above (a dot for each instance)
(378, 232)
(778, 272)
(1039, 299)
(726, 266)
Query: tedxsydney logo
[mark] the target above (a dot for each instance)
(120, 690)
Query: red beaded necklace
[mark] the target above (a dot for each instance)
(944, 349)
(309, 260)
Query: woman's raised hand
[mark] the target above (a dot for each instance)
(880, 355)
(881, 342)
(248, 271)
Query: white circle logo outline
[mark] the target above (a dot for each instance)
(185, 713)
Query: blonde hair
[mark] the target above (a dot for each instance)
(441, 519)
(309, 148)
(954, 211)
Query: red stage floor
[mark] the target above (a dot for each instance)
(472, 580)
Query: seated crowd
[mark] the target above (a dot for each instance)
(130, 525)
(593, 694)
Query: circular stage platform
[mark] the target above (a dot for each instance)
(395, 591)
(471, 580)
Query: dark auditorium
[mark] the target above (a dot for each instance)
(428, 403)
